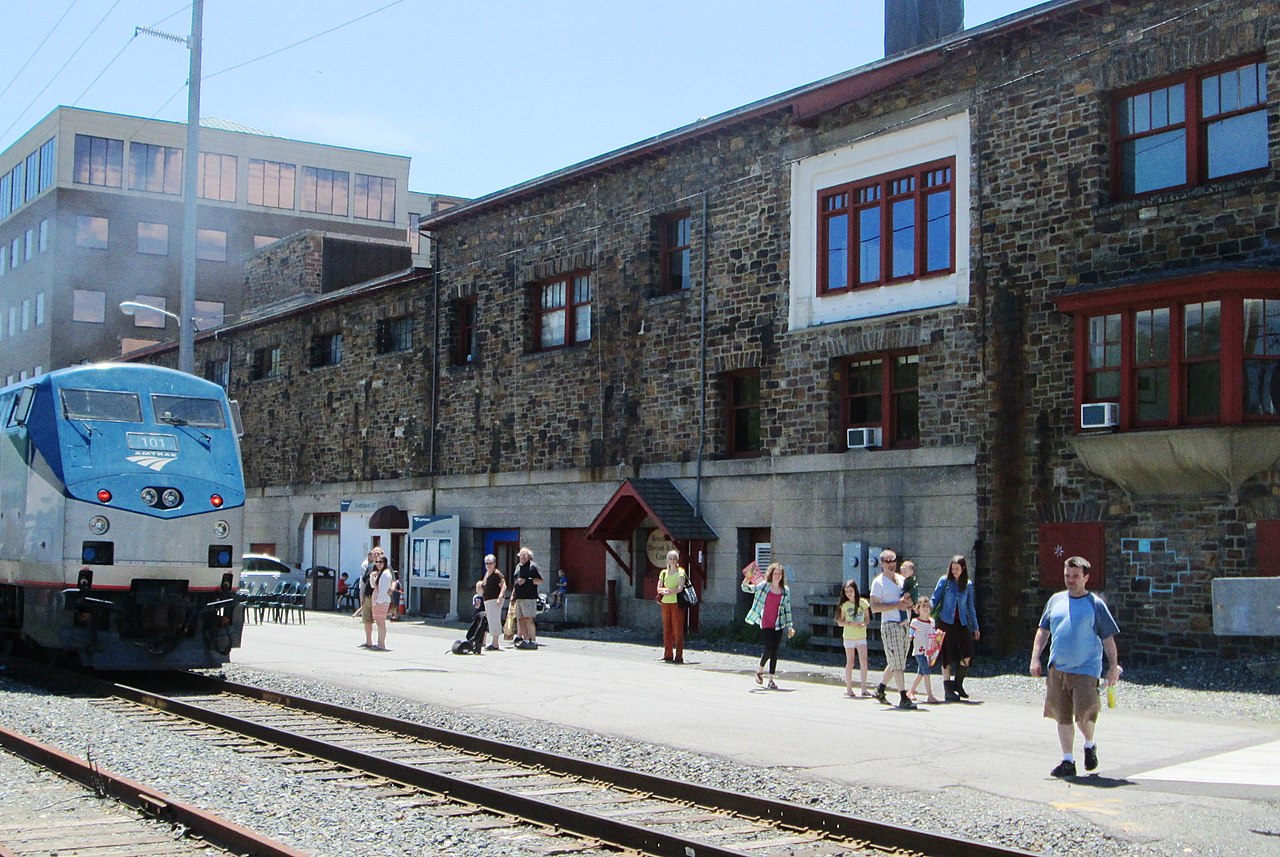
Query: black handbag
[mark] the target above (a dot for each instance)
(687, 597)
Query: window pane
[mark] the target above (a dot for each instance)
(869, 245)
(1238, 144)
(211, 245)
(1153, 394)
(88, 306)
(865, 377)
(1152, 329)
(904, 238)
(91, 232)
(153, 239)
(1203, 390)
(837, 252)
(1104, 386)
(1261, 339)
(553, 329)
(1202, 329)
(938, 231)
(1154, 162)
(582, 323)
(1104, 341)
(907, 419)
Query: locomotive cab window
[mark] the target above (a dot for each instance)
(187, 410)
(106, 405)
(22, 406)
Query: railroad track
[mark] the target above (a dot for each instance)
(550, 802)
(89, 810)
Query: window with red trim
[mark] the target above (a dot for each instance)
(887, 228)
(675, 239)
(1174, 355)
(883, 391)
(563, 311)
(1205, 125)
(742, 413)
(464, 313)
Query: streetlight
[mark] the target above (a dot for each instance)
(131, 308)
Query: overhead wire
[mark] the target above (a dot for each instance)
(18, 117)
(37, 50)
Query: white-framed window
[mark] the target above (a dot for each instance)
(887, 154)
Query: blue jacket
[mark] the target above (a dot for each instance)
(954, 605)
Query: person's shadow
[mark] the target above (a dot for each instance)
(1098, 781)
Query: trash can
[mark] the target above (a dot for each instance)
(323, 594)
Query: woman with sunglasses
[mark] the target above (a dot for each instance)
(380, 582)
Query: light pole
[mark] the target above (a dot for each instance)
(131, 308)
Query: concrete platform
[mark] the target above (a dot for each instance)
(1215, 782)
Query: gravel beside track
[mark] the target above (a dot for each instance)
(329, 820)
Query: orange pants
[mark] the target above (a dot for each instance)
(672, 631)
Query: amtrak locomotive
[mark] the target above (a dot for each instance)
(121, 517)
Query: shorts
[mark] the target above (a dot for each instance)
(1071, 696)
(366, 611)
(922, 665)
(856, 644)
(526, 608)
(380, 611)
(896, 644)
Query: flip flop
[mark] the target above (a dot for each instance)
(759, 678)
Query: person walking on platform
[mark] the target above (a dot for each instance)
(771, 613)
(1079, 629)
(954, 611)
(893, 605)
(494, 590)
(670, 581)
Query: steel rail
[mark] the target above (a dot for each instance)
(220, 832)
(782, 813)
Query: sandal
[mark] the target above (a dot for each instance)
(772, 686)
(759, 677)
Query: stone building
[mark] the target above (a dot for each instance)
(937, 259)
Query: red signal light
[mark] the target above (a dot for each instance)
(104, 496)
(216, 500)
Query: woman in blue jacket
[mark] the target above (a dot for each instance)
(954, 611)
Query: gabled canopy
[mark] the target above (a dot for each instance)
(659, 499)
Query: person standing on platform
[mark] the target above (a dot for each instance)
(365, 608)
(853, 616)
(670, 581)
(888, 599)
(1079, 630)
(380, 579)
(494, 590)
(526, 578)
(771, 613)
(954, 611)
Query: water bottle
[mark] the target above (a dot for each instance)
(1111, 696)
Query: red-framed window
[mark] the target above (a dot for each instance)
(882, 391)
(889, 228)
(1201, 126)
(742, 413)
(563, 311)
(675, 244)
(1194, 351)
(464, 313)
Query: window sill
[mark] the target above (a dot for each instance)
(1192, 462)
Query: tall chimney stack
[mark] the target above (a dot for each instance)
(911, 23)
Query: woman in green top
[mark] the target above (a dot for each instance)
(670, 581)
(852, 614)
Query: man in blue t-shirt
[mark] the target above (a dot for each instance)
(1079, 628)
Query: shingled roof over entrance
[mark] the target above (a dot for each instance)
(659, 499)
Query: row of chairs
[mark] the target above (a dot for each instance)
(282, 603)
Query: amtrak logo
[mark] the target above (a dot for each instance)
(154, 461)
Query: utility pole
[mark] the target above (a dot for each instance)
(191, 172)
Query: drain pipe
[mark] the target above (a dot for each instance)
(435, 364)
(702, 363)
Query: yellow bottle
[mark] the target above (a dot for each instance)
(1111, 696)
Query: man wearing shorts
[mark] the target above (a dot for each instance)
(526, 578)
(888, 599)
(1079, 628)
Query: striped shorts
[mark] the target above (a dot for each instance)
(896, 643)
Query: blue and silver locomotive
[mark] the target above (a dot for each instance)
(121, 517)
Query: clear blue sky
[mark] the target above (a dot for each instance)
(481, 94)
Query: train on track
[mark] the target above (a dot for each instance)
(121, 517)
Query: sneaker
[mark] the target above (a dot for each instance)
(1064, 769)
(907, 705)
(492, 649)
(879, 694)
(772, 686)
(1091, 758)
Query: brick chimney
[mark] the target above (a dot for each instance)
(911, 23)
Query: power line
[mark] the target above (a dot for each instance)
(37, 50)
(18, 118)
(303, 41)
(123, 48)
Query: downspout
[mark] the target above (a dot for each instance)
(702, 364)
(435, 365)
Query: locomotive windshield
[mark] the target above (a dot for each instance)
(101, 405)
(188, 411)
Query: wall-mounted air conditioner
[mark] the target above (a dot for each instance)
(863, 438)
(1099, 415)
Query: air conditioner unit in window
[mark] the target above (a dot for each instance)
(1099, 415)
(863, 438)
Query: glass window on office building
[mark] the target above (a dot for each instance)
(98, 161)
(271, 184)
(324, 191)
(209, 314)
(91, 232)
(375, 198)
(153, 239)
(211, 245)
(217, 178)
(39, 309)
(44, 235)
(150, 317)
(155, 169)
(88, 305)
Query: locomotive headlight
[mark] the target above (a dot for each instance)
(99, 525)
(221, 529)
(150, 496)
(171, 498)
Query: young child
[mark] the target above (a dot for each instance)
(910, 586)
(477, 601)
(926, 644)
(852, 614)
(562, 587)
